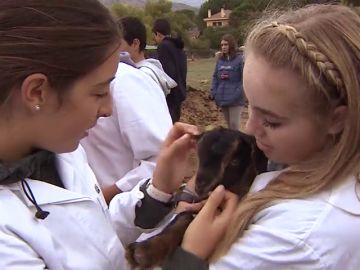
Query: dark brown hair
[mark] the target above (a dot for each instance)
(162, 26)
(133, 28)
(232, 44)
(64, 40)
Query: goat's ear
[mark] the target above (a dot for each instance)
(259, 159)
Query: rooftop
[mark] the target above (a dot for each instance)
(224, 14)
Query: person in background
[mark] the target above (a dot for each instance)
(301, 79)
(226, 88)
(134, 42)
(173, 60)
(122, 149)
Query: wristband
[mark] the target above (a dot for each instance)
(186, 195)
(158, 194)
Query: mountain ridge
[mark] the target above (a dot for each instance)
(177, 5)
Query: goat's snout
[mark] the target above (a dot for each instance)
(205, 182)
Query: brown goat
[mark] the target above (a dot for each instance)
(226, 157)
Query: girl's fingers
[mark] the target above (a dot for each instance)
(215, 199)
(194, 207)
(230, 203)
(178, 148)
(178, 130)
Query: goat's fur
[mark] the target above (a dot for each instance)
(226, 157)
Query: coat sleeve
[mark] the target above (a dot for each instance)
(182, 260)
(144, 122)
(135, 212)
(16, 254)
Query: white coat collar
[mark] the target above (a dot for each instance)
(77, 177)
(45, 193)
(346, 196)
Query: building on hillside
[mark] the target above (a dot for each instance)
(219, 19)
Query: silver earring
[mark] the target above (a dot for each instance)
(37, 108)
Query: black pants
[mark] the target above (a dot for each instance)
(174, 105)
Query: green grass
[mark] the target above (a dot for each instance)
(200, 73)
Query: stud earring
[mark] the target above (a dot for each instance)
(37, 108)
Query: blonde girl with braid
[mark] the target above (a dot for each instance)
(301, 79)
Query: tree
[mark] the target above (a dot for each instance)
(213, 35)
(122, 10)
(354, 3)
(181, 22)
(190, 14)
(158, 8)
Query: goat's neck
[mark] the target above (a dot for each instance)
(242, 186)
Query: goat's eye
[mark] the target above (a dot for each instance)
(235, 162)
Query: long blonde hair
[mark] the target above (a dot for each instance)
(321, 44)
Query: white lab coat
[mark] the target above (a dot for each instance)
(319, 232)
(123, 148)
(80, 231)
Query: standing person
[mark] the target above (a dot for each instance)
(134, 42)
(173, 59)
(227, 89)
(301, 79)
(122, 149)
(52, 90)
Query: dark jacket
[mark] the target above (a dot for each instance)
(183, 260)
(227, 84)
(173, 59)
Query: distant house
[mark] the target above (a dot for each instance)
(219, 19)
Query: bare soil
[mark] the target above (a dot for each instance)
(199, 110)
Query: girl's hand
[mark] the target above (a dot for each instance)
(185, 207)
(173, 156)
(209, 226)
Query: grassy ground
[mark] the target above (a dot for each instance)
(200, 73)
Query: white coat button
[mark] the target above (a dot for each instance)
(139, 194)
(97, 188)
